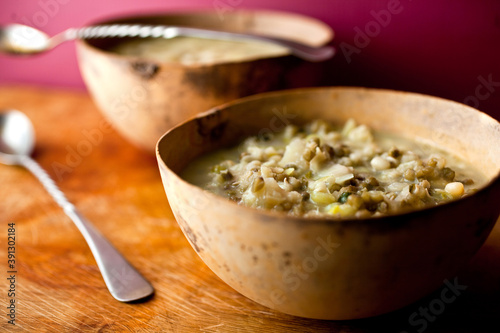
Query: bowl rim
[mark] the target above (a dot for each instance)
(329, 34)
(323, 219)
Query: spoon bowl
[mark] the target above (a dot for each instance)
(22, 39)
(17, 136)
(17, 140)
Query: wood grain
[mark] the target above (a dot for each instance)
(118, 188)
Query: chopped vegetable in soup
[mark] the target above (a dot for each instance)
(321, 170)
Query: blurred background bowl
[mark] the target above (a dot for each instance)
(143, 98)
(326, 268)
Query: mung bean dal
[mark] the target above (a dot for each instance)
(322, 170)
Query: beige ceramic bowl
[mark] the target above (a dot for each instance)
(144, 98)
(324, 268)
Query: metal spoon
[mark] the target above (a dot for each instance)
(22, 39)
(16, 144)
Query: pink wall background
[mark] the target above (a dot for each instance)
(447, 48)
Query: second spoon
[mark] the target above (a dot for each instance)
(17, 139)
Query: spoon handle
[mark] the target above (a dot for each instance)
(124, 282)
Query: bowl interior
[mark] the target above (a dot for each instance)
(269, 23)
(456, 128)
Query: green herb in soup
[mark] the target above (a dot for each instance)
(320, 170)
(197, 51)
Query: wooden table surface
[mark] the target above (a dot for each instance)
(58, 287)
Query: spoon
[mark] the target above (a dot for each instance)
(22, 39)
(16, 145)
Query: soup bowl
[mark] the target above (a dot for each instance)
(329, 268)
(142, 97)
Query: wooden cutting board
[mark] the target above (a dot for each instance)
(58, 287)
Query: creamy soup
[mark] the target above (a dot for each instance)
(195, 51)
(322, 170)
